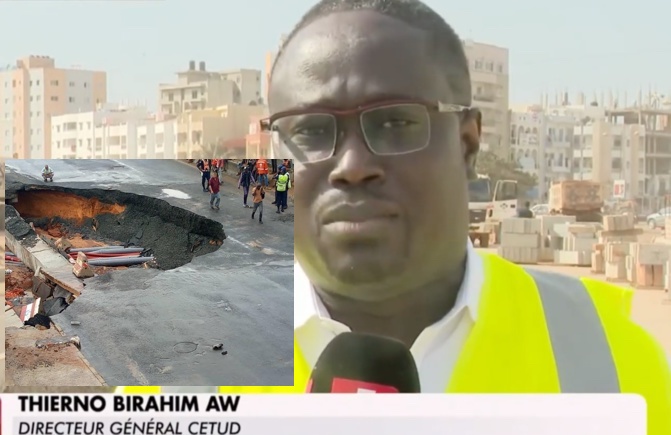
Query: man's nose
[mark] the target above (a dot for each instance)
(356, 165)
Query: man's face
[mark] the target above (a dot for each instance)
(370, 227)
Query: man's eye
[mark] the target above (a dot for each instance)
(309, 131)
(397, 123)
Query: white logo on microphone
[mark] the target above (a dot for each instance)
(365, 390)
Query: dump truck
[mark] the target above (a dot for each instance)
(579, 198)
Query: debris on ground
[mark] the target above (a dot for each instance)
(218, 346)
(50, 343)
(39, 321)
(81, 267)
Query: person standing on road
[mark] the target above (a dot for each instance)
(214, 192)
(525, 212)
(258, 194)
(204, 174)
(262, 171)
(246, 180)
(283, 185)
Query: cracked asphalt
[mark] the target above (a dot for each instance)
(150, 327)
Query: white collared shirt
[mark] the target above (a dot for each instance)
(436, 349)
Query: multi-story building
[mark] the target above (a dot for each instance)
(488, 66)
(199, 89)
(112, 131)
(257, 141)
(34, 91)
(210, 129)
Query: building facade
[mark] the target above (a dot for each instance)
(34, 91)
(488, 65)
(112, 132)
(199, 89)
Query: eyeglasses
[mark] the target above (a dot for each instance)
(389, 129)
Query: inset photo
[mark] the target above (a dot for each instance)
(148, 272)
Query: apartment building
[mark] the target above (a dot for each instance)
(35, 90)
(257, 142)
(112, 131)
(209, 129)
(199, 89)
(541, 144)
(488, 66)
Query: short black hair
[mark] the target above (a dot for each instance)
(445, 45)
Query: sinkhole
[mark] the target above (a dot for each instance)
(95, 217)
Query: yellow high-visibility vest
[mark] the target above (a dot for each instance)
(539, 332)
(282, 182)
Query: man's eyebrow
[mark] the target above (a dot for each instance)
(333, 104)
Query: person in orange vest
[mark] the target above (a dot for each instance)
(262, 171)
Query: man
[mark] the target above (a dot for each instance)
(525, 212)
(362, 93)
(214, 191)
(47, 173)
(282, 185)
(262, 171)
(245, 181)
(205, 174)
(258, 195)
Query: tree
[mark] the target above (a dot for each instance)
(497, 169)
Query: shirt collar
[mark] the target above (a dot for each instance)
(308, 306)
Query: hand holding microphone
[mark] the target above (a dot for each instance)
(362, 363)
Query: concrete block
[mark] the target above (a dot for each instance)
(651, 254)
(667, 228)
(520, 255)
(615, 251)
(667, 278)
(517, 240)
(574, 258)
(598, 263)
(521, 225)
(547, 254)
(618, 222)
(617, 270)
(548, 223)
(630, 264)
(650, 276)
(582, 228)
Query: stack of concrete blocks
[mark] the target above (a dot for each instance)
(648, 264)
(615, 256)
(551, 239)
(577, 246)
(520, 240)
(599, 259)
(619, 228)
(667, 228)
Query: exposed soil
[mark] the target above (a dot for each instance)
(18, 281)
(91, 217)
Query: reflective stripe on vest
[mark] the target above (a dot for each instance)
(576, 334)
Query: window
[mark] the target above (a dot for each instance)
(71, 99)
(617, 143)
(72, 84)
(478, 64)
(86, 85)
(194, 94)
(171, 97)
(499, 68)
(38, 83)
(30, 83)
(54, 98)
(489, 66)
(54, 83)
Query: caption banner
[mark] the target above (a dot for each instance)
(323, 414)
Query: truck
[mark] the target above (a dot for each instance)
(487, 207)
(580, 198)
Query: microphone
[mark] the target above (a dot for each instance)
(363, 363)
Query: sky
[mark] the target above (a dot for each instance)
(573, 45)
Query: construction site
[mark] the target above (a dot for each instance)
(575, 237)
(105, 286)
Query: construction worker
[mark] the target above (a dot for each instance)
(283, 185)
(262, 171)
(475, 323)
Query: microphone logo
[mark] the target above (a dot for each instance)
(341, 385)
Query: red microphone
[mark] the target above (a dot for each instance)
(362, 363)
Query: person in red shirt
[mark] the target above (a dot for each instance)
(214, 192)
(262, 171)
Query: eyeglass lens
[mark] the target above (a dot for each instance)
(388, 130)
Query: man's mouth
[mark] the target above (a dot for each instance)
(366, 219)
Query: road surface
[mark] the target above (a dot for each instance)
(150, 327)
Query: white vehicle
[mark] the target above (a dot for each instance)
(485, 205)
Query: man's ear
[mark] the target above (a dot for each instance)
(471, 128)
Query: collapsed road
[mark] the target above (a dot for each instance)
(158, 326)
